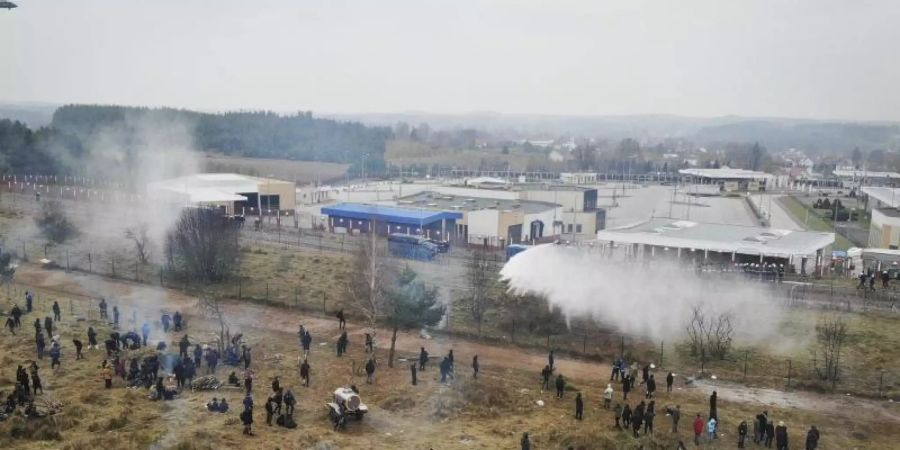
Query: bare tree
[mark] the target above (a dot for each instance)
(140, 236)
(709, 336)
(831, 333)
(203, 245)
(481, 274)
(212, 306)
(367, 288)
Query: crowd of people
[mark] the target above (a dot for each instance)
(165, 375)
(639, 420)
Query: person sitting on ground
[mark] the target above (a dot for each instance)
(233, 379)
(213, 406)
(223, 406)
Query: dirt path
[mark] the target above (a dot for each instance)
(838, 405)
(153, 299)
(132, 295)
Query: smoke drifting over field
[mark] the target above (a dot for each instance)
(653, 300)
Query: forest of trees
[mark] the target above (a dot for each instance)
(65, 145)
(259, 134)
(23, 150)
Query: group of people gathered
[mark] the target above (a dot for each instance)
(765, 430)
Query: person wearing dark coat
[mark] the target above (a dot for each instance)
(781, 437)
(36, 383)
(28, 301)
(560, 386)
(712, 406)
(370, 371)
(445, 369)
(412, 372)
(651, 387)
(103, 313)
(37, 326)
(545, 378)
(812, 437)
(116, 316)
(92, 338)
(626, 387)
(247, 420)
(670, 379)
(176, 320)
(475, 366)
(54, 356)
(48, 325)
(637, 419)
(270, 410)
(675, 414)
(626, 416)
(145, 333)
(770, 433)
(423, 358)
(342, 320)
(165, 319)
(57, 316)
(245, 355)
(526, 443)
(198, 354)
(550, 360)
(649, 414)
(183, 345)
(212, 359)
(41, 345)
(304, 372)
(579, 407)
(11, 324)
(617, 410)
(289, 402)
(761, 420)
(78, 347)
(742, 434)
(16, 314)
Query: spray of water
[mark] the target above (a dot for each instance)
(651, 300)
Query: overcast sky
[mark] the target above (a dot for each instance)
(815, 58)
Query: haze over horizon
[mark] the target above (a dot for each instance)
(697, 58)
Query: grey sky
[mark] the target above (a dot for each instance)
(815, 58)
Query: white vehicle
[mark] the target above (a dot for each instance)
(346, 403)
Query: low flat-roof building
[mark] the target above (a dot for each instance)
(719, 243)
(730, 179)
(882, 197)
(494, 222)
(235, 193)
(852, 177)
(364, 218)
(578, 177)
(884, 228)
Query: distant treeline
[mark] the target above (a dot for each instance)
(250, 134)
(42, 151)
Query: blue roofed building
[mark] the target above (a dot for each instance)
(361, 218)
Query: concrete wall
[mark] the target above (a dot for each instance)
(286, 192)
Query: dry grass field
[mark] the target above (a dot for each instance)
(488, 413)
(300, 172)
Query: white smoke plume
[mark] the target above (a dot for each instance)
(652, 300)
